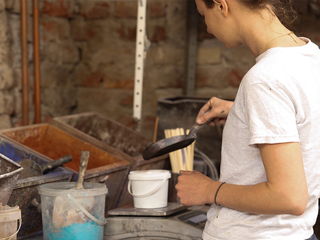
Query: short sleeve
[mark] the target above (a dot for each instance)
(270, 114)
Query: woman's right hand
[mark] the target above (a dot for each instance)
(214, 111)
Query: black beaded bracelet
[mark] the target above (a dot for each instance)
(216, 194)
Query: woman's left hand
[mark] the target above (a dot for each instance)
(194, 188)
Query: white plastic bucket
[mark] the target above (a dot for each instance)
(10, 222)
(149, 188)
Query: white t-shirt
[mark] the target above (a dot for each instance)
(278, 101)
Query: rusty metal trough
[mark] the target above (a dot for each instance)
(105, 165)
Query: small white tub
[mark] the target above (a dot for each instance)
(149, 188)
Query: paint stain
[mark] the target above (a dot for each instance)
(78, 231)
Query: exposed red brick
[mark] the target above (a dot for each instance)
(90, 33)
(127, 33)
(99, 79)
(57, 8)
(80, 35)
(94, 79)
(82, 32)
(54, 28)
(202, 80)
(176, 83)
(159, 34)
(97, 10)
(157, 9)
(126, 9)
(111, 83)
(128, 100)
(49, 26)
(234, 77)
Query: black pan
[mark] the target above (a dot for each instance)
(168, 145)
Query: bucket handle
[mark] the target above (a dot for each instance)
(156, 189)
(13, 235)
(83, 210)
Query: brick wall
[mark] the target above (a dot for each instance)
(6, 75)
(88, 50)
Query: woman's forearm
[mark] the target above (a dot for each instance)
(261, 198)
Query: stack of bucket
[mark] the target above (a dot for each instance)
(10, 222)
(10, 217)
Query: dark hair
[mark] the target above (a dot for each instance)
(282, 8)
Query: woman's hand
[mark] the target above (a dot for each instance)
(194, 188)
(215, 110)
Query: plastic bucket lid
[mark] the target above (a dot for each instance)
(149, 175)
(61, 188)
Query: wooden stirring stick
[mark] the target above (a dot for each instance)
(84, 158)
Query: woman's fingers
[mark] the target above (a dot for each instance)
(201, 118)
(207, 112)
(209, 116)
(215, 108)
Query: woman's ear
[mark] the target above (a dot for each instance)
(223, 6)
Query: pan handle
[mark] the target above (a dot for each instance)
(156, 189)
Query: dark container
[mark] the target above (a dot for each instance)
(106, 133)
(25, 193)
(105, 165)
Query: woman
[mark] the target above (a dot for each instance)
(270, 159)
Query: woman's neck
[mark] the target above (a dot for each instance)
(263, 31)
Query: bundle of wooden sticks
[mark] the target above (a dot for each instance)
(181, 159)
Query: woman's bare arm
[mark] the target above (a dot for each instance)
(284, 192)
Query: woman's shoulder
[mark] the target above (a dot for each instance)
(263, 73)
(283, 64)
